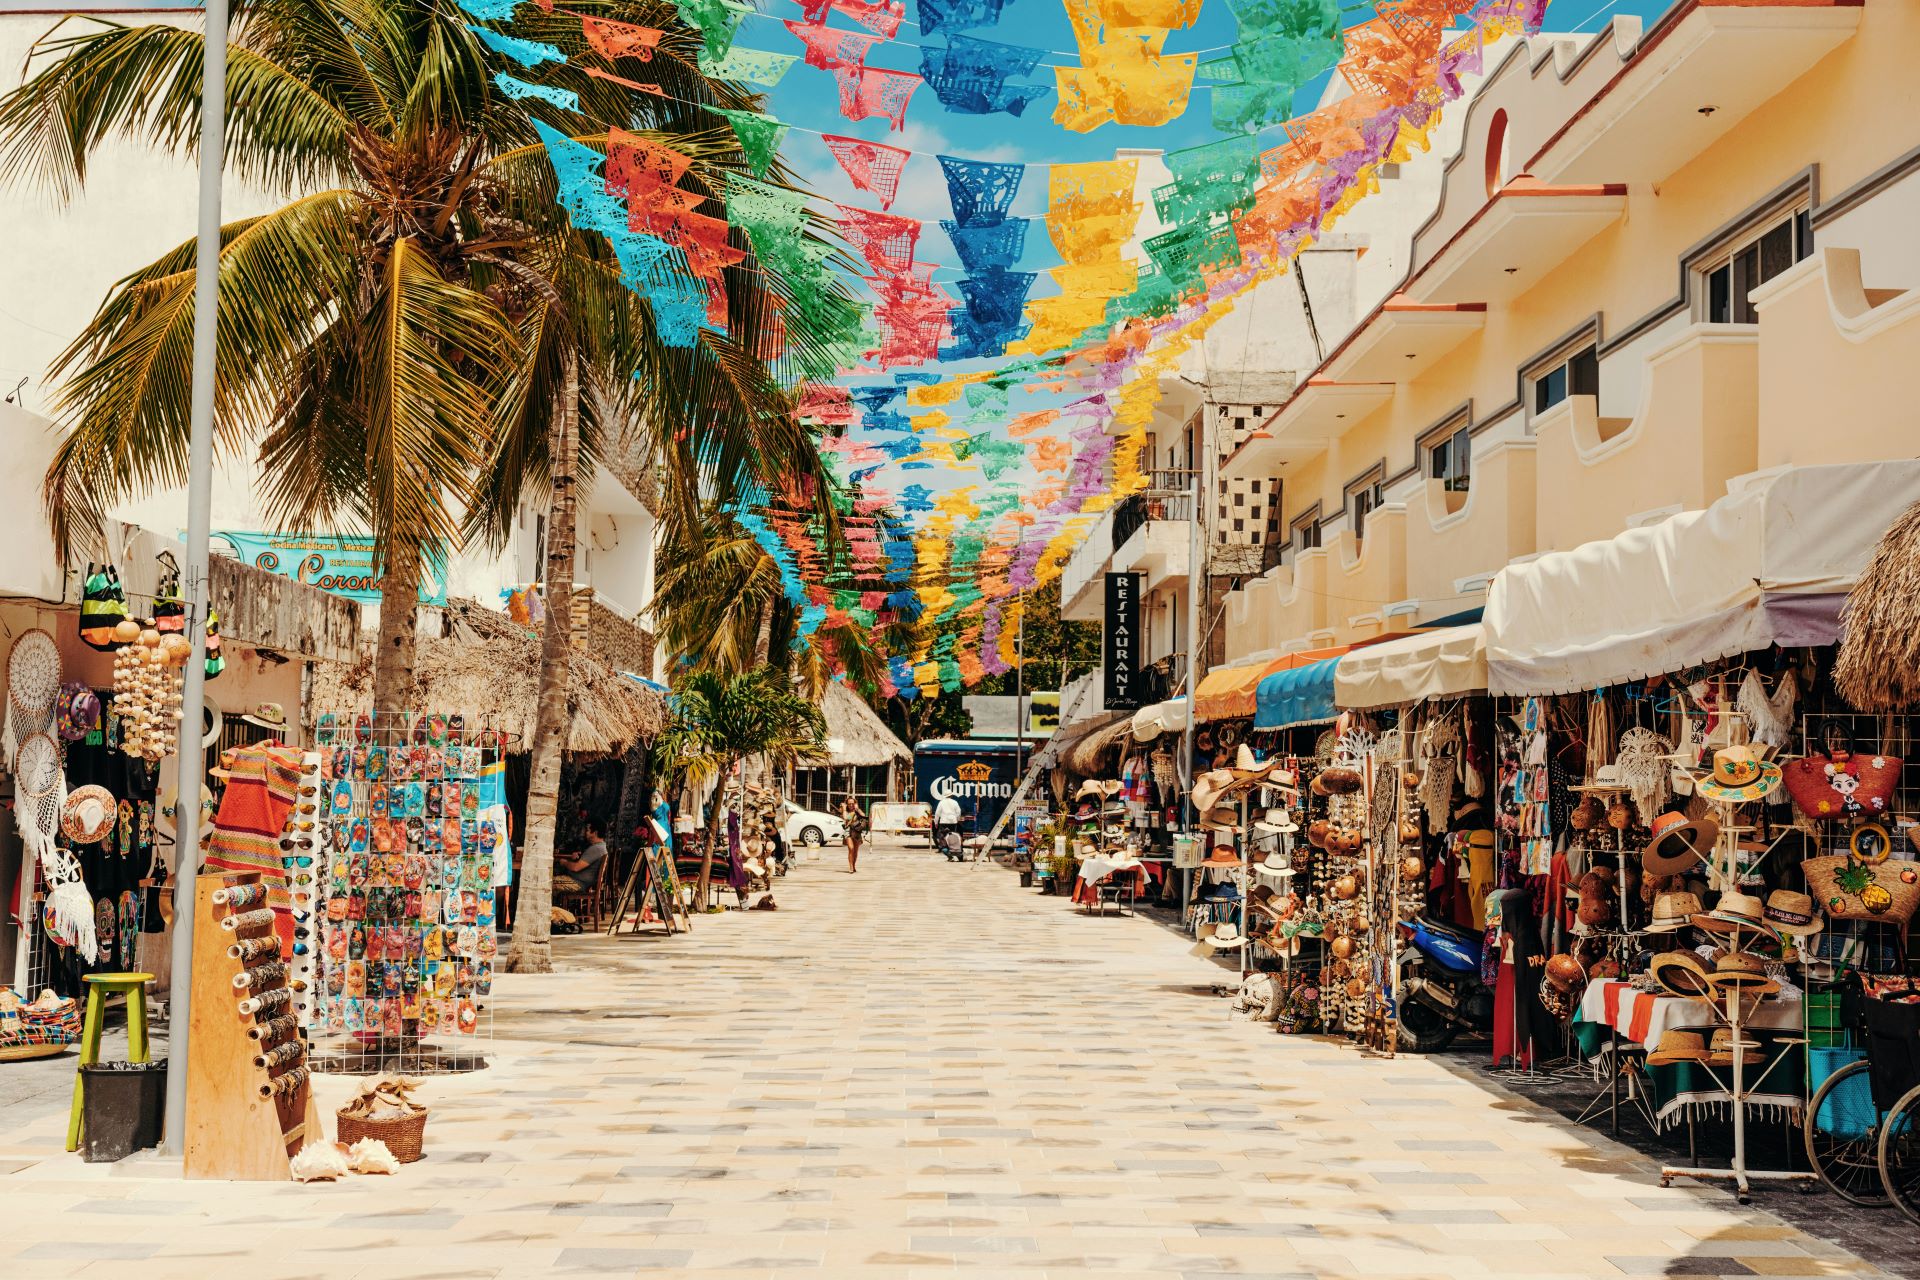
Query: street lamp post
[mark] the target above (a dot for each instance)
(193, 762)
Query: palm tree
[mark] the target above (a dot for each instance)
(718, 721)
(393, 340)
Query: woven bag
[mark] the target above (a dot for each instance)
(1825, 789)
(1848, 889)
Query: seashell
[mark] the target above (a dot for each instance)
(370, 1155)
(318, 1162)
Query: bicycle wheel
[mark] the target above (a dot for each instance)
(1842, 1132)
(1899, 1163)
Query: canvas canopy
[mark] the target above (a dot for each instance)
(1162, 717)
(1769, 564)
(1301, 695)
(1227, 692)
(1443, 663)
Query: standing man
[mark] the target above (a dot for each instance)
(946, 818)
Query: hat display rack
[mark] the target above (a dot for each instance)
(1733, 998)
(404, 942)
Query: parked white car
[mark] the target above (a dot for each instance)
(810, 827)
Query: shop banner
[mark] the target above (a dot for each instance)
(338, 563)
(1120, 646)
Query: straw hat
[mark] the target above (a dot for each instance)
(1720, 1050)
(1680, 973)
(1277, 863)
(1111, 787)
(1678, 841)
(1739, 775)
(1743, 971)
(1209, 787)
(1605, 778)
(1089, 789)
(1737, 913)
(1673, 911)
(1677, 1046)
(1793, 913)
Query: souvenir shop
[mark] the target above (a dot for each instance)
(91, 732)
(1681, 862)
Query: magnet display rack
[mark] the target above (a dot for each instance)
(249, 1097)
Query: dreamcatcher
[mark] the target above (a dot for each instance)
(40, 794)
(1439, 764)
(33, 687)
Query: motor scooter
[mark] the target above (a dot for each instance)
(1441, 993)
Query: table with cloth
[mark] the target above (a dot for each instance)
(1126, 875)
(1684, 1090)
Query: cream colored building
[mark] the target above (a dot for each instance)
(1664, 265)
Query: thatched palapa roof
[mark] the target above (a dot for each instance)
(862, 738)
(489, 671)
(1878, 668)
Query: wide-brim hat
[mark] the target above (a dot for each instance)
(1739, 775)
(1737, 913)
(1112, 787)
(1277, 863)
(1089, 788)
(1678, 1046)
(88, 814)
(1221, 856)
(1720, 1048)
(1680, 973)
(213, 722)
(1209, 787)
(1743, 971)
(1678, 842)
(1226, 936)
(1793, 913)
(1674, 911)
(267, 715)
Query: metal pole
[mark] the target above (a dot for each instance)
(1195, 575)
(193, 762)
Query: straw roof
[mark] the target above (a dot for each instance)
(863, 736)
(489, 671)
(1878, 668)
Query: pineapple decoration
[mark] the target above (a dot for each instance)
(147, 684)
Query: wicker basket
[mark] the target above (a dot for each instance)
(402, 1134)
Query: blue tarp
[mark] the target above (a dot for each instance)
(1303, 695)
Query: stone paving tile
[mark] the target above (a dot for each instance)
(919, 1071)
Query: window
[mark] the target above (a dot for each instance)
(1450, 460)
(1361, 501)
(1576, 375)
(1306, 534)
(1730, 274)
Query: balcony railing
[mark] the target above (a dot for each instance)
(1151, 504)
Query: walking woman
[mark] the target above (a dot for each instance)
(855, 820)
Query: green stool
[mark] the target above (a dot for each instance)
(99, 987)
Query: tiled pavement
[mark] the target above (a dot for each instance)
(914, 1071)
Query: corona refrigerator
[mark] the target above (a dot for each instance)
(981, 775)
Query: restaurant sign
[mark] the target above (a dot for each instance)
(1120, 650)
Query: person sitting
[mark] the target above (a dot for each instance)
(583, 868)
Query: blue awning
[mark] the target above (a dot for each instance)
(1303, 695)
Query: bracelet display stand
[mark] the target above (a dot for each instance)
(245, 1119)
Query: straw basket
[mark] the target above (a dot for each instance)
(1888, 891)
(402, 1134)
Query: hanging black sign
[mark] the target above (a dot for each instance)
(1121, 651)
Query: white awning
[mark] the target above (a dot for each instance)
(1767, 565)
(1162, 717)
(1432, 664)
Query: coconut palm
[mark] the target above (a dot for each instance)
(393, 341)
(719, 721)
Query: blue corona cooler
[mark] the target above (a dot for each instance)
(981, 776)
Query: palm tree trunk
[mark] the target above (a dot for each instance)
(393, 685)
(713, 831)
(532, 948)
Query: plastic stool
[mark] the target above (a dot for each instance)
(99, 987)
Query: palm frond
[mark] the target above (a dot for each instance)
(142, 84)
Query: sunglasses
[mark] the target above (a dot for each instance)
(293, 842)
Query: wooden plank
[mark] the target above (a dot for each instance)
(233, 1133)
